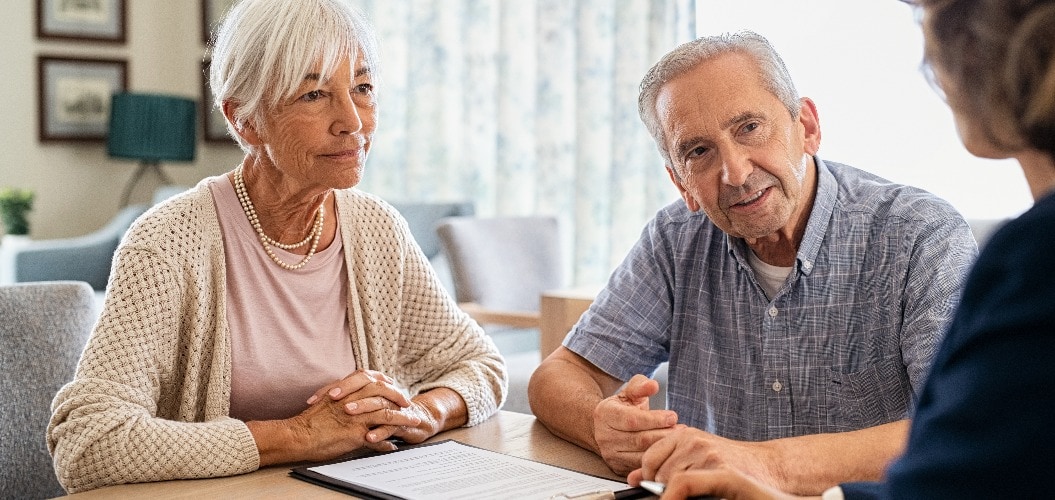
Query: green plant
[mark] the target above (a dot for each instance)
(14, 205)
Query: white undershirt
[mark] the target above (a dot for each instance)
(769, 276)
(289, 329)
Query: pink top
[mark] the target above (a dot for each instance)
(289, 329)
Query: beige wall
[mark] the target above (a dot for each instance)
(78, 186)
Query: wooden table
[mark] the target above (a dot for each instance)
(512, 433)
(559, 310)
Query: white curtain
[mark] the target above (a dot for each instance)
(526, 107)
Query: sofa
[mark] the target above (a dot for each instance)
(83, 258)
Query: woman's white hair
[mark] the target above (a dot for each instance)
(774, 75)
(264, 49)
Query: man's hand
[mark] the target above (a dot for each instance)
(624, 427)
(690, 449)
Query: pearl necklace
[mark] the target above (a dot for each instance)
(268, 242)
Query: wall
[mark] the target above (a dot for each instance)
(78, 187)
(877, 111)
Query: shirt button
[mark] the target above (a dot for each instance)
(807, 265)
(777, 386)
(773, 312)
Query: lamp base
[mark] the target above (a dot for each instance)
(144, 166)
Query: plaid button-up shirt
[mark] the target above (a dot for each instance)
(843, 344)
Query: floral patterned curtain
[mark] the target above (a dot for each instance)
(526, 107)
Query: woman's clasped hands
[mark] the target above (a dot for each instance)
(363, 410)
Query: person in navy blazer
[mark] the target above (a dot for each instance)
(985, 422)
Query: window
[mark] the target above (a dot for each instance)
(860, 62)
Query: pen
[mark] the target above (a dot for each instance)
(593, 495)
(653, 487)
(658, 488)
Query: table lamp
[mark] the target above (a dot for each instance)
(151, 128)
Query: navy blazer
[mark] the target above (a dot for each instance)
(985, 423)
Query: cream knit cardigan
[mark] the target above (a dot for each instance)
(151, 395)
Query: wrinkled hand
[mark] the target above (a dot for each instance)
(340, 415)
(364, 387)
(624, 427)
(426, 427)
(723, 482)
(690, 449)
(371, 393)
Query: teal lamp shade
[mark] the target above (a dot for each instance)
(152, 127)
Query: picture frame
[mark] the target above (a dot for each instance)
(214, 125)
(212, 12)
(74, 96)
(82, 20)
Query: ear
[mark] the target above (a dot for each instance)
(245, 130)
(685, 195)
(811, 126)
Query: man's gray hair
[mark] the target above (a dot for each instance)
(774, 75)
(265, 48)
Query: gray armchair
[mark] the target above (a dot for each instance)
(44, 329)
(422, 218)
(501, 266)
(83, 258)
(984, 228)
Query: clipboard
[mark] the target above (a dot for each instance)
(305, 473)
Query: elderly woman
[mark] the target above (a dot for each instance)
(983, 423)
(273, 314)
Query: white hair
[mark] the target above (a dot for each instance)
(264, 48)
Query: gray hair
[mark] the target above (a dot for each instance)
(264, 48)
(775, 76)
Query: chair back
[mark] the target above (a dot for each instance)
(502, 263)
(82, 258)
(982, 229)
(422, 218)
(44, 328)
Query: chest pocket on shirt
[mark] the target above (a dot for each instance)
(878, 394)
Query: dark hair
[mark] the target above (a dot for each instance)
(1000, 56)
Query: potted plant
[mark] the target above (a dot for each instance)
(15, 204)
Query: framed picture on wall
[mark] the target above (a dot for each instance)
(213, 122)
(91, 20)
(74, 96)
(212, 12)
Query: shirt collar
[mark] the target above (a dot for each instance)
(820, 217)
(816, 227)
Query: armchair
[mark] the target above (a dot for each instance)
(45, 327)
(82, 258)
(984, 228)
(85, 258)
(501, 266)
(422, 218)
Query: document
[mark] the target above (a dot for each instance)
(449, 470)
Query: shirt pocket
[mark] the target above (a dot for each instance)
(877, 394)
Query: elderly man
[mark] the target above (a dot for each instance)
(799, 302)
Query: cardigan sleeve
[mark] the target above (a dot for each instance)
(149, 398)
(414, 329)
(447, 348)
